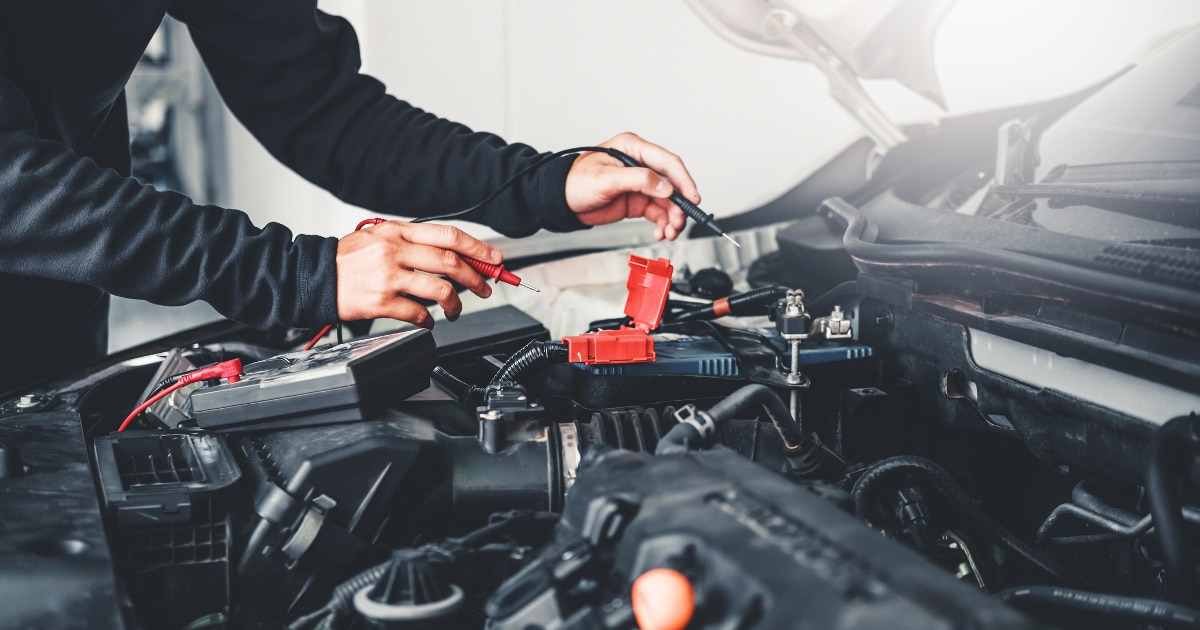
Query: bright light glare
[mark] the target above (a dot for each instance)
(991, 53)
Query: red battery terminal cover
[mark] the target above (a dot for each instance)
(648, 285)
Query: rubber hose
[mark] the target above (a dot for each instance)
(945, 485)
(458, 387)
(1085, 495)
(760, 395)
(1169, 449)
(680, 439)
(1144, 610)
(740, 304)
(533, 354)
(684, 437)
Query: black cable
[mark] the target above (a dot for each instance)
(512, 180)
(461, 389)
(533, 354)
(690, 209)
(1169, 450)
(941, 481)
(746, 303)
(343, 596)
(1140, 609)
(163, 384)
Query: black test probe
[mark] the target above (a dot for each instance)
(689, 208)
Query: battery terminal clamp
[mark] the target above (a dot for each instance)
(648, 285)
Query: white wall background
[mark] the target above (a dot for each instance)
(558, 73)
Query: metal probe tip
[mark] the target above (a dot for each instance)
(730, 239)
(522, 284)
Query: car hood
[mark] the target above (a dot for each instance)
(880, 39)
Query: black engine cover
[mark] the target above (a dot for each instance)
(759, 551)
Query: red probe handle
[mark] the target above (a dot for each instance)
(495, 272)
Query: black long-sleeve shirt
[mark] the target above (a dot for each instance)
(75, 227)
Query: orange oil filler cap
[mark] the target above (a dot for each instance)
(663, 599)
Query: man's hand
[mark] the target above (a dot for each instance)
(602, 190)
(379, 268)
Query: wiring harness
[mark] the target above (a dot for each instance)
(230, 370)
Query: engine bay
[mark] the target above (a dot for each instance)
(762, 459)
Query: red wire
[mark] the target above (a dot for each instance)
(153, 399)
(230, 370)
(318, 337)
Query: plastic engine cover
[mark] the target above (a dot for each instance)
(759, 551)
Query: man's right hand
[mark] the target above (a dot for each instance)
(381, 267)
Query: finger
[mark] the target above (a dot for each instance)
(445, 262)
(660, 160)
(407, 310)
(448, 237)
(661, 215)
(675, 216)
(620, 180)
(636, 206)
(429, 287)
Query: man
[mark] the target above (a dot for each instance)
(74, 227)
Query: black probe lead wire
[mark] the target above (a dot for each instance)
(689, 209)
(512, 180)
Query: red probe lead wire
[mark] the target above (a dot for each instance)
(230, 370)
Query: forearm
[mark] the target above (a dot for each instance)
(67, 219)
(291, 74)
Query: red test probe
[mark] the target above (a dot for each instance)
(498, 273)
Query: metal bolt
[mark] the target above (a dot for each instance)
(28, 401)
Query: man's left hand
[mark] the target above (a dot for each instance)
(601, 190)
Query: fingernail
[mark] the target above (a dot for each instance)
(487, 291)
(452, 317)
(663, 188)
(497, 257)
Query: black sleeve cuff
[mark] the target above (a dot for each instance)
(551, 201)
(539, 201)
(317, 283)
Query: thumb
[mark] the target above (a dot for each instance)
(620, 180)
